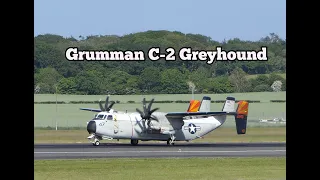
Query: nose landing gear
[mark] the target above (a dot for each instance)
(96, 141)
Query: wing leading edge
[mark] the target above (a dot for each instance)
(90, 109)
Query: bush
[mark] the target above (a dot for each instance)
(262, 88)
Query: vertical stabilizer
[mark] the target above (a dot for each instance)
(205, 104)
(194, 106)
(228, 106)
(241, 117)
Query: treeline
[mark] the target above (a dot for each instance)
(54, 73)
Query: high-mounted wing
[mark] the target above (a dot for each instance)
(183, 114)
(90, 109)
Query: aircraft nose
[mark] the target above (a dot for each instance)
(91, 127)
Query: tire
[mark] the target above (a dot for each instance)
(97, 143)
(134, 142)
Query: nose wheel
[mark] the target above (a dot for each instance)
(96, 139)
(96, 143)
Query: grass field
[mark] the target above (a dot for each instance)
(262, 96)
(69, 115)
(171, 168)
(258, 134)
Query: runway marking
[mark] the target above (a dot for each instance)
(108, 152)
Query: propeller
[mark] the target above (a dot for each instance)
(146, 114)
(106, 107)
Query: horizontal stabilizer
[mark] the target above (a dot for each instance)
(183, 114)
(90, 109)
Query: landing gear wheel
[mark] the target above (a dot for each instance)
(134, 142)
(170, 142)
(96, 143)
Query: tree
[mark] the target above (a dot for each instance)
(46, 79)
(67, 86)
(239, 80)
(276, 86)
(260, 79)
(173, 82)
(275, 77)
(262, 88)
(89, 82)
(149, 79)
(147, 76)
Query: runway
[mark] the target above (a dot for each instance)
(114, 150)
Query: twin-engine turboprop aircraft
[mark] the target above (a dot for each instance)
(147, 124)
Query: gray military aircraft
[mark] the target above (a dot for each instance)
(147, 124)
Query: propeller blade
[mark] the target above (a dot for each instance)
(101, 107)
(153, 110)
(150, 104)
(111, 104)
(139, 124)
(140, 112)
(148, 123)
(144, 105)
(107, 102)
(144, 126)
(154, 118)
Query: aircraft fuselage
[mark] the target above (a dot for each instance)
(131, 126)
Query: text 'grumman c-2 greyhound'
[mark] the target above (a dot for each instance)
(147, 124)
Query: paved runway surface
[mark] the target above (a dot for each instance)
(112, 150)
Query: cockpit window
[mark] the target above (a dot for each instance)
(109, 117)
(100, 117)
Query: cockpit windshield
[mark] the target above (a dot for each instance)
(99, 117)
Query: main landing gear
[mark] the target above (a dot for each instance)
(134, 142)
(170, 141)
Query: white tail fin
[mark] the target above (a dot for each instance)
(229, 105)
(205, 104)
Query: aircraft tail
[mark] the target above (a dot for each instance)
(205, 104)
(241, 117)
(197, 106)
(228, 105)
(194, 106)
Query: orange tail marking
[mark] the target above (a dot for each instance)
(194, 106)
(243, 108)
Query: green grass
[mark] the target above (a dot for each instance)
(69, 115)
(171, 168)
(267, 134)
(284, 75)
(262, 96)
